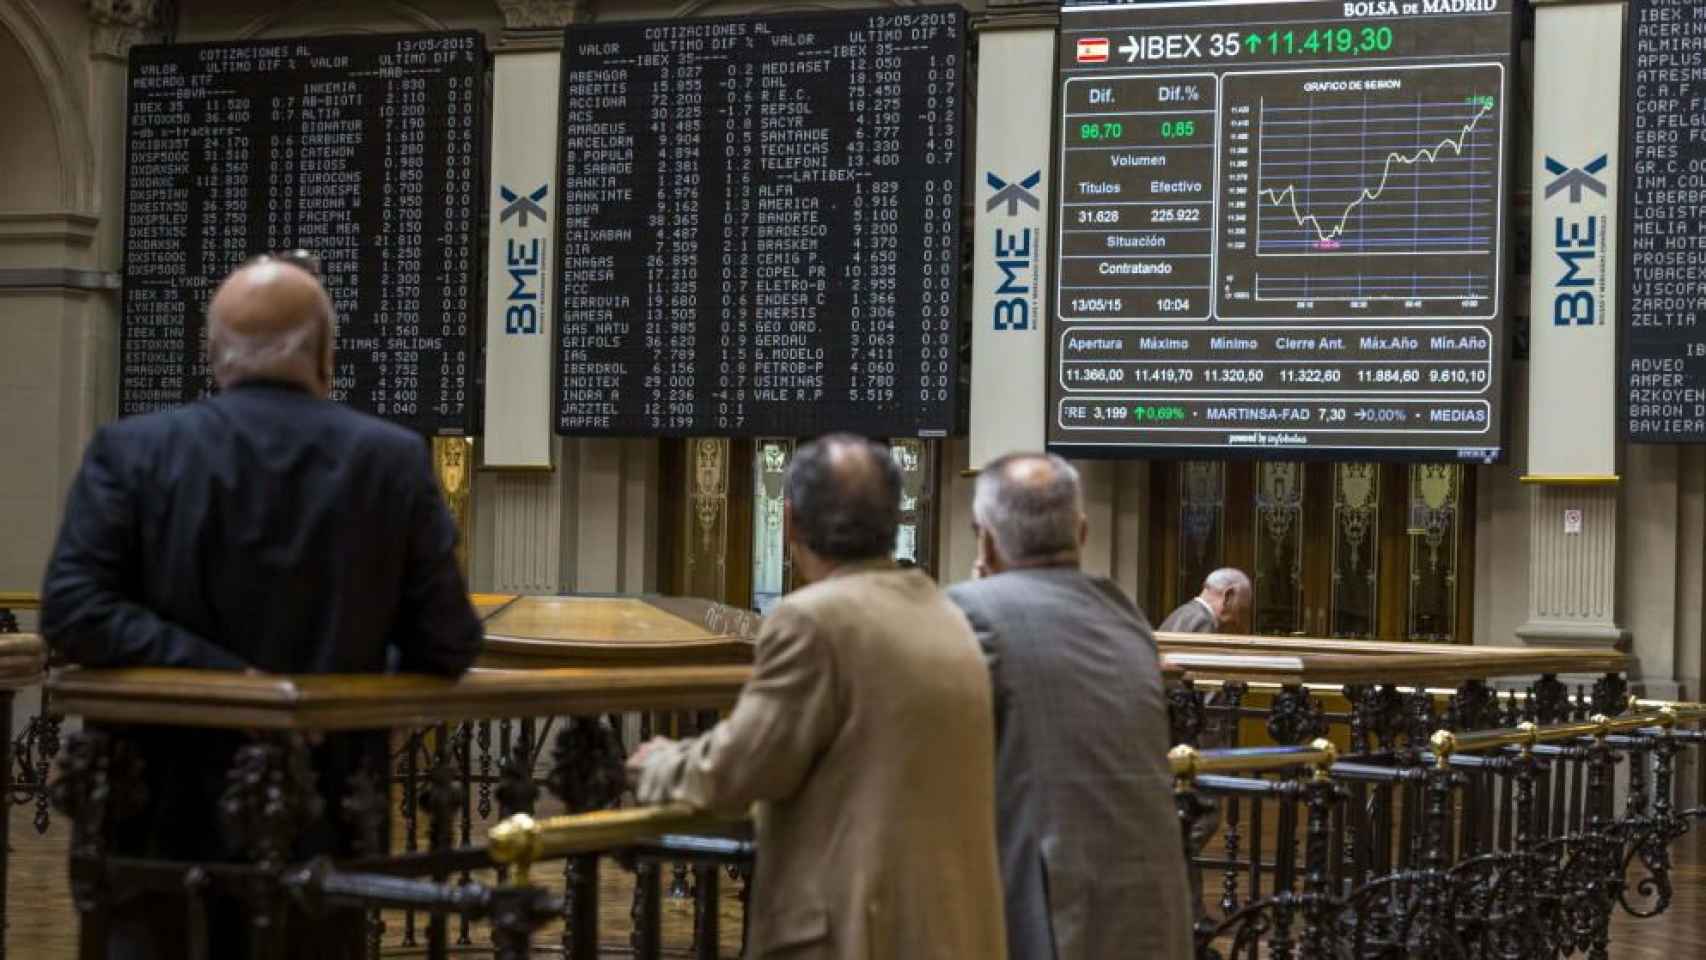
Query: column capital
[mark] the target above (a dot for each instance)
(120, 25)
(535, 24)
(1018, 15)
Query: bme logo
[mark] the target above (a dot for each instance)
(1576, 242)
(1015, 252)
(524, 258)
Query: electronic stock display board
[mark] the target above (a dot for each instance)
(364, 151)
(760, 225)
(1663, 268)
(1281, 229)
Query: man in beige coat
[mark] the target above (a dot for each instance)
(864, 736)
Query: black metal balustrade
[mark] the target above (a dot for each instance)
(35, 747)
(1452, 820)
(1490, 843)
(21, 665)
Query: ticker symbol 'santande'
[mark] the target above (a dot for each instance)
(517, 204)
(1013, 194)
(1576, 178)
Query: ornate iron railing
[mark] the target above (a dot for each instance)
(1506, 841)
(1449, 822)
(35, 747)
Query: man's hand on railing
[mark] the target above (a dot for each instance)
(638, 757)
(637, 764)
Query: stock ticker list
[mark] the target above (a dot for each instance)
(1663, 265)
(761, 225)
(1281, 228)
(365, 152)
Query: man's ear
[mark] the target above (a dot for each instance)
(1083, 530)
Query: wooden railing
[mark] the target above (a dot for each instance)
(573, 672)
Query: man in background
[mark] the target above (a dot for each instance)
(264, 529)
(1221, 607)
(863, 735)
(1090, 853)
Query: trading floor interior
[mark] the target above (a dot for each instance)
(1508, 454)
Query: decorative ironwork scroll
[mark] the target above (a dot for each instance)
(770, 564)
(1279, 548)
(1356, 550)
(917, 461)
(1202, 531)
(1435, 494)
(706, 534)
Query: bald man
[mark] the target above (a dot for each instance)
(863, 736)
(268, 529)
(1091, 862)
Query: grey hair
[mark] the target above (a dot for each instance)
(1029, 520)
(1226, 578)
(235, 357)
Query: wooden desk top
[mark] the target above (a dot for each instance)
(535, 632)
(1326, 661)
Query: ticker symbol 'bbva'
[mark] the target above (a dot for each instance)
(515, 203)
(1013, 194)
(1575, 179)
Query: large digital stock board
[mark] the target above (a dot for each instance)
(1281, 229)
(1663, 373)
(364, 151)
(761, 225)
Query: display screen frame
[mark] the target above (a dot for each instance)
(1502, 324)
(429, 424)
(955, 414)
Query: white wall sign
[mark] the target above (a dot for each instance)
(1572, 400)
(1573, 520)
(519, 261)
(1008, 350)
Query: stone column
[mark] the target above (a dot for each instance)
(115, 27)
(1574, 450)
(522, 529)
(589, 523)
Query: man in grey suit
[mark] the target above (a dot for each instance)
(1091, 860)
(1219, 608)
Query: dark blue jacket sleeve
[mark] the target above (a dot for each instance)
(90, 613)
(437, 630)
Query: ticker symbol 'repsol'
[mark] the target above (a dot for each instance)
(1575, 179)
(1013, 194)
(515, 204)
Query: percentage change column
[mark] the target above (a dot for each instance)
(1137, 189)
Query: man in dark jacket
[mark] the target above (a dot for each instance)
(1091, 860)
(265, 529)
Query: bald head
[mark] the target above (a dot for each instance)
(1032, 507)
(271, 320)
(843, 495)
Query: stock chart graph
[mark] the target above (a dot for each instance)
(1366, 187)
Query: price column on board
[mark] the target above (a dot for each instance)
(1137, 198)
